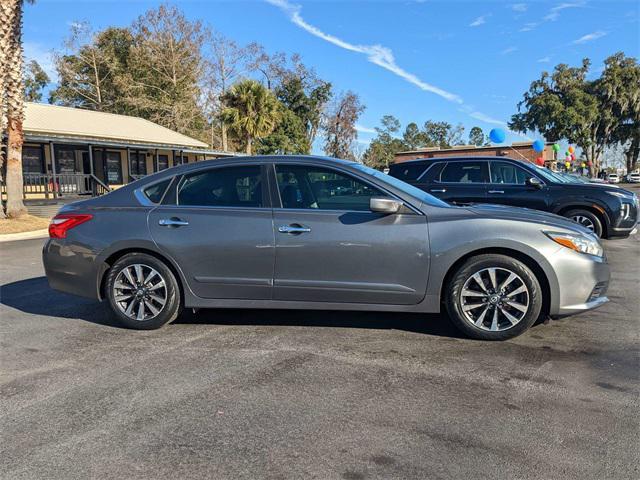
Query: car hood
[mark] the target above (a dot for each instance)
(503, 212)
(595, 187)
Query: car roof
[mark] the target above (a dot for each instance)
(454, 159)
(257, 159)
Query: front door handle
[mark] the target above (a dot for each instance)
(438, 190)
(294, 229)
(496, 191)
(173, 222)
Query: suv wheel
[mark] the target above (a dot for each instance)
(143, 292)
(493, 297)
(586, 219)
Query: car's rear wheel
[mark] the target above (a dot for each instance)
(587, 219)
(493, 297)
(143, 292)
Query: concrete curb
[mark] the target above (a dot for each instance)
(12, 237)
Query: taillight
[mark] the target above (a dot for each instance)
(62, 223)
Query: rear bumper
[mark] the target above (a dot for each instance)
(70, 268)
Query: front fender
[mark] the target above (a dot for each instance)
(451, 243)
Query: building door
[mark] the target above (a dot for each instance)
(113, 168)
(137, 164)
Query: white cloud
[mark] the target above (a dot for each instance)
(546, 59)
(482, 19)
(383, 57)
(529, 26)
(363, 129)
(589, 37)
(519, 7)
(508, 50)
(554, 13)
(376, 54)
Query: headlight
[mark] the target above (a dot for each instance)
(620, 194)
(578, 242)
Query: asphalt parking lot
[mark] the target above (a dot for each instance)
(298, 394)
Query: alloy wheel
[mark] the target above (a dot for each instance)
(584, 221)
(140, 292)
(494, 299)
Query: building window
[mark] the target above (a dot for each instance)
(113, 168)
(66, 160)
(163, 162)
(32, 160)
(138, 164)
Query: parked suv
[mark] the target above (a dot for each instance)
(609, 211)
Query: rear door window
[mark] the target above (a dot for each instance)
(223, 187)
(463, 172)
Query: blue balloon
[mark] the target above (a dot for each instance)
(538, 146)
(497, 135)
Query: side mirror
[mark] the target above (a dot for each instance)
(534, 182)
(385, 205)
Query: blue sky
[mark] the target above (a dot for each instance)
(463, 62)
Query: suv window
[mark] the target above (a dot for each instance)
(223, 187)
(321, 188)
(508, 173)
(407, 171)
(462, 172)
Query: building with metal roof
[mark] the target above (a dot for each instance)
(71, 151)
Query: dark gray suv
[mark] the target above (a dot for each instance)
(319, 233)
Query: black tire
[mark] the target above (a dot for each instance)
(504, 264)
(587, 219)
(167, 313)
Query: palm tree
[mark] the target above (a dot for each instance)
(252, 111)
(12, 100)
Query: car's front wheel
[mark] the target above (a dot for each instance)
(143, 292)
(587, 219)
(493, 297)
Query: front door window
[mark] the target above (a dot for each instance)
(310, 187)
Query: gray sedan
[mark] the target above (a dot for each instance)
(319, 233)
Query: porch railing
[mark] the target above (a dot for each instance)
(63, 184)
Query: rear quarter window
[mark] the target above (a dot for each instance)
(156, 191)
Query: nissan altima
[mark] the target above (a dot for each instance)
(319, 233)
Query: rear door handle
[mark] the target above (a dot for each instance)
(173, 222)
(496, 191)
(438, 190)
(294, 229)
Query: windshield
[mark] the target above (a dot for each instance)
(399, 184)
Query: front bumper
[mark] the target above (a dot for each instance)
(583, 281)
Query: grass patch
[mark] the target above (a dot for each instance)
(26, 223)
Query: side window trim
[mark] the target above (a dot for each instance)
(266, 200)
(279, 206)
(486, 177)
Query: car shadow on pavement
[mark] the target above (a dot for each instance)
(34, 296)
